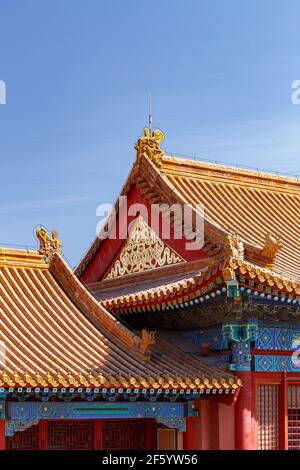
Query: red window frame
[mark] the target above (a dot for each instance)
(268, 416)
(293, 416)
(283, 379)
(37, 437)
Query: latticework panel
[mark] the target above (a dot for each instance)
(24, 440)
(294, 417)
(268, 415)
(124, 434)
(71, 435)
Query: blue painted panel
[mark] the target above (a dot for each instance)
(268, 363)
(278, 339)
(51, 410)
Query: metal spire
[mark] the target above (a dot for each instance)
(150, 113)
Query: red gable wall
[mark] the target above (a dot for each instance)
(109, 249)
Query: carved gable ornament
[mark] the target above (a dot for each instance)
(143, 250)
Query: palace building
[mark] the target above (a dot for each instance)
(156, 342)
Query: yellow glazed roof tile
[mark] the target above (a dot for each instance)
(244, 202)
(55, 334)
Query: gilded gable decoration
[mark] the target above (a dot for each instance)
(143, 250)
(149, 145)
(48, 245)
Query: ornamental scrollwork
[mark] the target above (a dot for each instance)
(143, 250)
(16, 425)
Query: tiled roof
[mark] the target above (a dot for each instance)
(247, 203)
(55, 334)
(260, 208)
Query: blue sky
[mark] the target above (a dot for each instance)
(78, 74)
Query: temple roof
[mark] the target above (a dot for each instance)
(262, 210)
(55, 334)
(249, 204)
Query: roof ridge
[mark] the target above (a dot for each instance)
(12, 257)
(222, 167)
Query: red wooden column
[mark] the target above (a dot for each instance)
(2, 421)
(43, 434)
(192, 437)
(284, 413)
(2, 434)
(210, 425)
(150, 437)
(244, 414)
(98, 434)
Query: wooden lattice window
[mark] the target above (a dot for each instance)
(71, 435)
(268, 415)
(294, 417)
(124, 434)
(24, 440)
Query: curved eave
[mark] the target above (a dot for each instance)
(266, 277)
(169, 294)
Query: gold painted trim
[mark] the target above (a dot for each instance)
(89, 380)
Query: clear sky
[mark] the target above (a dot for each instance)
(78, 74)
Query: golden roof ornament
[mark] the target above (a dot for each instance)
(233, 250)
(147, 341)
(48, 245)
(149, 145)
(266, 256)
(272, 245)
